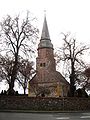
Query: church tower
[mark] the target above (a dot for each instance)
(45, 60)
(47, 81)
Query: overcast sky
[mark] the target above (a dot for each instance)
(62, 15)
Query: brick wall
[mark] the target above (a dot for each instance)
(43, 104)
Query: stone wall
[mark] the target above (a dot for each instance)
(43, 104)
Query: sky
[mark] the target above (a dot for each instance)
(62, 16)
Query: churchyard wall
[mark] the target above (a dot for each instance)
(43, 104)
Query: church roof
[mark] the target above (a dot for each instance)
(53, 77)
(45, 33)
(45, 41)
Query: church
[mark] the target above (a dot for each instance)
(47, 82)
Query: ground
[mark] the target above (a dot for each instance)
(45, 116)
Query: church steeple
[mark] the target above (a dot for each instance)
(46, 76)
(45, 32)
(45, 41)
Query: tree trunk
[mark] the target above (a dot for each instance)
(25, 85)
(13, 76)
(72, 80)
(24, 90)
(11, 90)
(72, 85)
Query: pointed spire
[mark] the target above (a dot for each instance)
(45, 33)
(45, 41)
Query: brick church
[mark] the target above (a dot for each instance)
(47, 82)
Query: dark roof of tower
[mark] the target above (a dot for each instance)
(45, 41)
(45, 32)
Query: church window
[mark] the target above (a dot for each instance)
(42, 64)
(42, 95)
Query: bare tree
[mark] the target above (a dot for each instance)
(6, 67)
(17, 38)
(86, 81)
(25, 73)
(71, 54)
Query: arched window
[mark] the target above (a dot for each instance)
(42, 64)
